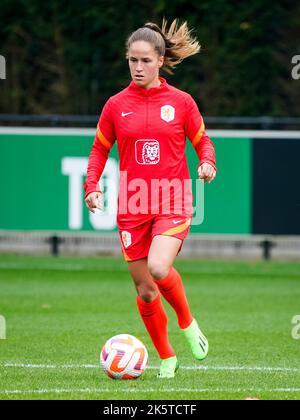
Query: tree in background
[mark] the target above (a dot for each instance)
(69, 57)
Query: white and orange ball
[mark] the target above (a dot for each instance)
(124, 357)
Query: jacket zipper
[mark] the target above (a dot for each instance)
(147, 116)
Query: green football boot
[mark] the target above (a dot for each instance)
(168, 368)
(197, 341)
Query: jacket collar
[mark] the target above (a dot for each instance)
(149, 92)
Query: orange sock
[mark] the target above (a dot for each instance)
(156, 323)
(172, 289)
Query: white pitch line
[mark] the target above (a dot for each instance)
(243, 368)
(36, 366)
(204, 368)
(149, 390)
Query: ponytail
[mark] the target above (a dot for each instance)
(175, 43)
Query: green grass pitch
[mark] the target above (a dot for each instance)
(59, 312)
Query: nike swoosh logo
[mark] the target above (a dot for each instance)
(176, 222)
(124, 114)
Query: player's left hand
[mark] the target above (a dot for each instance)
(207, 172)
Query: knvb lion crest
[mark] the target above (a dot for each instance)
(147, 152)
(126, 239)
(167, 113)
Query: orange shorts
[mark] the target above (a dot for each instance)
(136, 239)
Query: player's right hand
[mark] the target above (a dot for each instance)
(94, 201)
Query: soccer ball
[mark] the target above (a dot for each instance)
(124, 357)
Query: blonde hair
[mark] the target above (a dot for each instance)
(175, 43)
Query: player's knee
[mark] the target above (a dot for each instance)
(158, 270)
(147, 295)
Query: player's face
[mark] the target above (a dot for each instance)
(144, 64)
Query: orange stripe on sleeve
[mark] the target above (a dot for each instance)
(199, 135)
(103, 139)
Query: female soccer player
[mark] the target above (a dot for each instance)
(150, 120)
